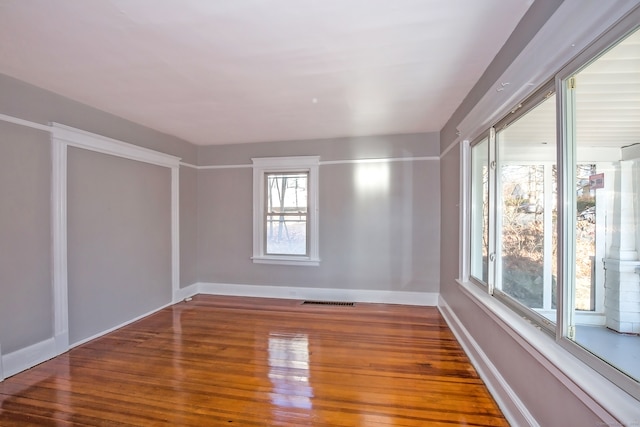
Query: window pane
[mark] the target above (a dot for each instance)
(286, 214)
(527, 214)
(604, 292)
(286, 235)
(480, 211)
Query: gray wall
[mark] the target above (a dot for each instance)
(188, 226)
(119, 240)
(539, 12)
(373, 239)
(28, 102)
(26, 303)
(26, 312)
(549, 401)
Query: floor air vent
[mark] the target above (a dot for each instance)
(338, 303)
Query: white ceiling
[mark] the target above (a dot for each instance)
(219, 72)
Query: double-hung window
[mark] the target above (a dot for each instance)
(285, 210)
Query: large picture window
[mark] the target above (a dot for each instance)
(285, 210)
(601, 223)
(554, 197)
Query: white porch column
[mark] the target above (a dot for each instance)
(622, 279)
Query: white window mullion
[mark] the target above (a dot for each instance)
(566, 210)
(548, 237)
(493, 213)
(465, 212)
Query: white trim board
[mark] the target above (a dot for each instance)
(182, 294)
(512, 407)
(324, 294)
(450, 147)
(94, 142)
(28, 357)
(378, 160)
(26, 123)
(325, 162)
(1, 365)
(62, 137)
(601, 396)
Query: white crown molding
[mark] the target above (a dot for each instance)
(380, 160)
(26, 123)
(326, 162)
(102, 144)
(243, 166)
(189, 165)
(285, 162)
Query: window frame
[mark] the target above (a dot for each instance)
(489, 137)
(566, 181)
(268, 214)
(520, 111)
(264, 166)
(558, 332)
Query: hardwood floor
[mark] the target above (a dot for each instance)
(259, 362)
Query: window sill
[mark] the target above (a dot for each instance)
(287, 260)
(589, 385)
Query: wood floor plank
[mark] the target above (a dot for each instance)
(260, 362)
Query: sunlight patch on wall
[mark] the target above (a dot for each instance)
(371, 178)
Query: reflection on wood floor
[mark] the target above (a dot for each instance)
(259, 362)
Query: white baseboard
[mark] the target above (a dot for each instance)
(62, 342)
(28, 357)
(1, 368)
(182, 293)
(323, 294)
(514, 410)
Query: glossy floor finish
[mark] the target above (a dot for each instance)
(260, 362)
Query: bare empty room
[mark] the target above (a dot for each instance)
(340, 213)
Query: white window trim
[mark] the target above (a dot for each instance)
(617, 393)
(264, 165)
